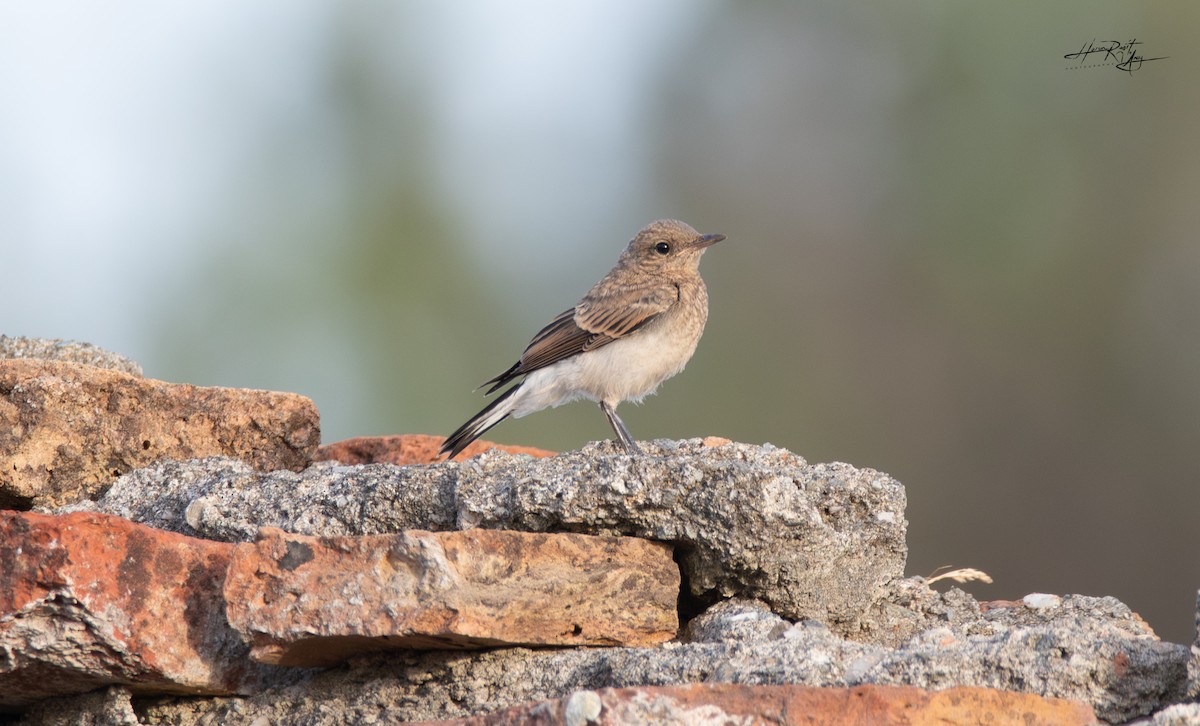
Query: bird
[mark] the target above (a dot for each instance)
(637, 327)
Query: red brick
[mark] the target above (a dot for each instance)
(316, 600)
(91, 599)
(66, 429)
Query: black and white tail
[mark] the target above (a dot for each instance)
(495, 412)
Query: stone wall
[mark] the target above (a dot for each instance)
(171, 554)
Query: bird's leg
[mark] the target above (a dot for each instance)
(618, 426)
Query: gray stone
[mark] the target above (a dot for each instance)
(158, 495)
(816, 541)
(734, 621)
(1181, 714)
(107, 707)
(908, 607)
(54, 349)
(1094, 651)
(201, 498)
(583, 707)
(1089, 649)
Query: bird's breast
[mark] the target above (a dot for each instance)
(635, 365)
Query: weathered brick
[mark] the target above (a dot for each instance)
(68, 429)
(315, 600)
(91, 599)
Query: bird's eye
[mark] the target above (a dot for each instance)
(662, 248)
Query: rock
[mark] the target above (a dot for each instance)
(68, 429)
(812, 541)
(109, 707)
(313, 601)
(736, 621)
(753, 523)
(325, 499)
(1094, 652)
(55, 349)
(407, 449)
(908, 607)
(1181, 714)
(158, 495)
(788, 705)
(88, 600)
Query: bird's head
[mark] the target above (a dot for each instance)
(668, 245)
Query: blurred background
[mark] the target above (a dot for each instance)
(953, 255)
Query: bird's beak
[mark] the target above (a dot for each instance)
(707, 240)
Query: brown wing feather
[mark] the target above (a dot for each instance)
(561, 339)
(615, 316)
(596, 321)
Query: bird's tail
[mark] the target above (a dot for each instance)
(495, 412)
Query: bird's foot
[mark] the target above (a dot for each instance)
(631, 447)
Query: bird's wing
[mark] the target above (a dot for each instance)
(611, 317)
(559, 340)
(594, 322)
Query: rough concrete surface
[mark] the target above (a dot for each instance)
(67, 350)
(1098, 654)
(111, 706)
(820, 541)
(808, 557)
(711, 704)
(1181, 714)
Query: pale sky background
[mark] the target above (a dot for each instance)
(950, 257)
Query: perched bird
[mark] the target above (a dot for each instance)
(634, 329)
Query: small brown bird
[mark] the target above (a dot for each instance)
(634, 329)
